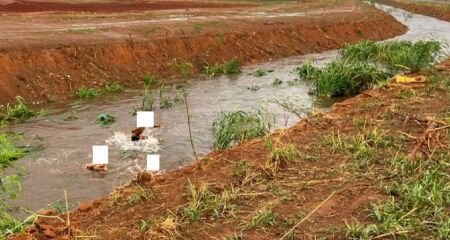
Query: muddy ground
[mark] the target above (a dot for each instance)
(437, 10)
(317, 194)
(45, 57)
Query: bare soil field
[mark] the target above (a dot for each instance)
(437, 10)
(45, 52)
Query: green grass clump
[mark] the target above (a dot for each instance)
(229, 68)
(19, 111)
(236, 127)
(86, 93)
(8, 152)
(396, 55)
(344, 78)
(364, 65)
(202, 201)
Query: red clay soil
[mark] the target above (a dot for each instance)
(437, 10)
(50, 70)
(323, 180)
(106, 7)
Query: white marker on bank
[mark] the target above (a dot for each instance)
(145, 119)
(100, 154)
(153, 163)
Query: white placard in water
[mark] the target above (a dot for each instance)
(145, 119)
(152, 162)
(100, 154)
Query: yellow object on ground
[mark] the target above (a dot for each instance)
(406, 79)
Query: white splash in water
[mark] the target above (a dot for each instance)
(123, 141)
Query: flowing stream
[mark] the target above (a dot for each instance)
(66, 146)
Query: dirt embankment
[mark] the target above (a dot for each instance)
(21, 6)
(437, 10)
(46, 71)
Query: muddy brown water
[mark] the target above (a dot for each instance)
(66, 145)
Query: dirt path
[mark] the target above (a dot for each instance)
(437, 10)
(86, 51)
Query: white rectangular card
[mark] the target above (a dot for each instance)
(145, 119)
(100, 154)
(153, 162)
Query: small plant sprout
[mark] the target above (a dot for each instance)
(72, 116)
(260, 73)
(254, 88)
(140, 194)
(104, 119)
(229, 68)
(264, 218)
(277, 82)
(149, 80)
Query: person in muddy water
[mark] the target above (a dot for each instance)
(136, 134)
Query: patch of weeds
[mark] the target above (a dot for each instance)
(357, 231)
(184, 69)
(86, 93)
(260, 73)
(20, 111)
(139, 195)
(113, 88)
(149, 80)
(202, 201)
(277, 82)
(166, 228)
(104, 119)
(280, 152)
(229, 68)
(235, 127)
(82, 30)
(241, 171)
(419, 202)
(254, 88)
(72, 116)
(264, 218)
(164, 101)
(10, 186)
(365, 147)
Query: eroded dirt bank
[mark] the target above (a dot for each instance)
(48, 70)
(336, 187)
(437, 10)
